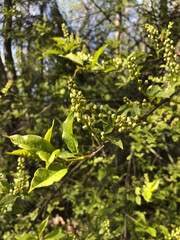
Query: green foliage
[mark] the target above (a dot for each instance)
(124, 111)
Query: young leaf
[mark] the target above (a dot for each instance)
(4, 186)
(43, 155)
(147, 194)
(25, 237)
(67, 134)
(42, 227)
(24, 153)
(151, 231)
(117, 142)
(45, 177)
(138, 200)
(55, 235)
(32, 142)
(8, 199)
(97, 54)
(49, 133)
(65, 154)
(73, 57)
(52, 157)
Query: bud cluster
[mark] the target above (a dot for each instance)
(19, 182)
(175, 234)
(70, 37)
(117, 61)
(170, 56)
(79, 106)
(153, 34)
(146, 178)
(84, 56)
(137, 191)
(132, 66)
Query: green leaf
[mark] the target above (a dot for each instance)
(42, 227)
(117, 142)
(154, 185)
(4, 186)
(151, 231)
(147, 194)
(108, 128)
(164, 230)
(108, 69)
(73, 57)
(138, 200)
(24, 153)
(44, 156)
(8, 199)
(55, 235)
(32, 142)
(67, 134)
(17, 209)
(155, 89)
(52, 157)
(45, 177)
(65, 154)
(56, 52)
(141, 216)
(49, 133)
(97, 54)
(165, 94)
(25, 237)
(135, 109)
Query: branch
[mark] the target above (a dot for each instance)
(159, 104)
(100, 9)
(86, 156)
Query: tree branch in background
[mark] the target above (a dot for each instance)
(144, 117)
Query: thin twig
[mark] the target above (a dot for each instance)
(159, 104)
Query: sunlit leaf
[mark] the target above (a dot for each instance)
(45, 177)
(97, 54)
(32, 142)
(73, 57)
(42, 227)
(67, 134)
(49, 133)
(115, 141)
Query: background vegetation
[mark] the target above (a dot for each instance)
(113, 67)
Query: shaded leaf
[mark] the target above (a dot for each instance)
(8, 199)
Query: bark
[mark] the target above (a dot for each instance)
(3, 76)
(7, 42)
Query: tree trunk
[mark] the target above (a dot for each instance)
(7, 42)
(3, 76)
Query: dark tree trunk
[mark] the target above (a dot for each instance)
(3, 76)
(7, 42)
